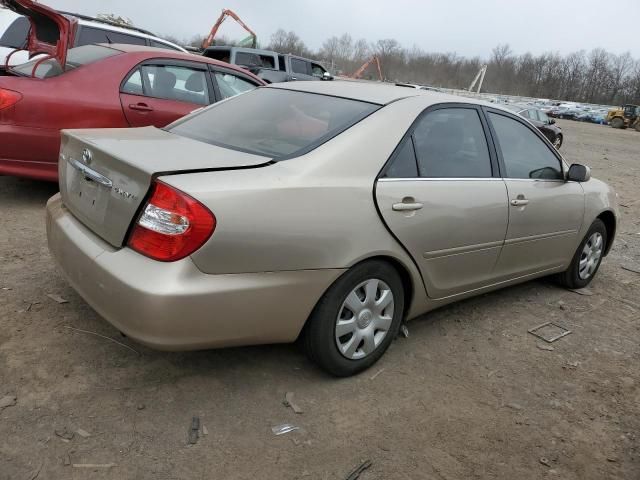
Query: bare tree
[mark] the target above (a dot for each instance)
(288, 42)
(599, 77)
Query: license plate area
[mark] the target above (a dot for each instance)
(88, 191)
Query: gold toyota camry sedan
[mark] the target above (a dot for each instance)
(331, 211)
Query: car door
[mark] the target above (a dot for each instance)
(159, 92)
(441, 195)
(300, 69)
(545, 211)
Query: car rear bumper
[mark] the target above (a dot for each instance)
(174, 306)
(29, 152)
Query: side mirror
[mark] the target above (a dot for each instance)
(552, 121)
(327, 76)
(578, 173)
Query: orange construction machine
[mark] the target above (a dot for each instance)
(251, 40)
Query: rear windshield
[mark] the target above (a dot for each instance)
(273, 122)
(76, 57)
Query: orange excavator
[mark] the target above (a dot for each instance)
(251, 40)
(358, 73)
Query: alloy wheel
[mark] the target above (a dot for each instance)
(557, 142)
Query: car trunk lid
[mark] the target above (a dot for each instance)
(105, 174)
(51, 33)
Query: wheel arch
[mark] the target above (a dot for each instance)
(405, 276)
(396, 264)
(609, 219)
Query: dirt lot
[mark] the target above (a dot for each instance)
(468, 395)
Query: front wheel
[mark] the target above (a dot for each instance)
(557, 142)
(617, 122)
(356, 319)
(587, 259)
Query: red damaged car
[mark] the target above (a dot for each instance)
(96, 86)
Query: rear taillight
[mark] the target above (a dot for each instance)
(8, 98)
(172, 225)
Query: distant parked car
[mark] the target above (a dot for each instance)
(14, 30)
(271, 66)
(542, 121)
(570, 113)
(102, 86)
(337, 212)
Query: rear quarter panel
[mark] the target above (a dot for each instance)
(312, 212)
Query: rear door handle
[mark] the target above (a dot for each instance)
(407, 206)
(141, 107)
(519, 202)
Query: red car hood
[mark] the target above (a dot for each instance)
(51, 33)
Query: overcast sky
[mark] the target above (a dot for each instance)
(468, 27)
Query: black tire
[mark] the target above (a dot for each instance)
(558, 141)
(571, 278)
(319, 335)
(617, 122)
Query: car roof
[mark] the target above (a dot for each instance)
(164, 53)
(133, 31)
(372, 92)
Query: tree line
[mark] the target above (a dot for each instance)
(597, 76)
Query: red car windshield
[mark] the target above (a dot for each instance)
(76, 57)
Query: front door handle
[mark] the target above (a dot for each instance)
(407, 206)
(519, 202)
(141, 107)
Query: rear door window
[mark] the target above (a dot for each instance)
(231, 85)
(133, 85)
(300, 66)
(272, 122)
(15, 36)
(91, 35)
(524, 154)
(450, 143)
(247, 59)
(403, 162)
(179, 83)
(282, 63)
(267, 61)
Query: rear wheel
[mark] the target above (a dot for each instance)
(617, 122)
(356, 319)
(587, 259)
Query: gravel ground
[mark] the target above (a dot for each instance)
(470, 394)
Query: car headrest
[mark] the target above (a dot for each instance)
(195, 82)
(445, 137)
(164, 80)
